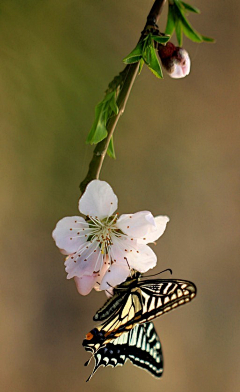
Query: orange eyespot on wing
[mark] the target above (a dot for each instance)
(89, 336)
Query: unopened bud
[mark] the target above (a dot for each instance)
(175, 60)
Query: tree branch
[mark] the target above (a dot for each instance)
(130, 72)
(155, 12)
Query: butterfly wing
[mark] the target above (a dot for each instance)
(141, 346)
(142, 302)
(161, 296)
(118, 300)
(121, 320)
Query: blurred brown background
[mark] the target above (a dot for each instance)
(177, 149)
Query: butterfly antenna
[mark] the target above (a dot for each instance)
(129, 267)
(111, 294)
(150, 276)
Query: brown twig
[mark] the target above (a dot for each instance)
(130, 73)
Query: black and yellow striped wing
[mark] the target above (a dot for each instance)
(141, 346)
(138, 301)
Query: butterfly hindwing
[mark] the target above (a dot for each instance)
(141, 346)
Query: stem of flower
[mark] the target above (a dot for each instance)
(130, 72)
(100, 150)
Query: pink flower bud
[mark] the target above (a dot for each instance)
(175, 60)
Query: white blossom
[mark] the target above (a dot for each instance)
(103, 248)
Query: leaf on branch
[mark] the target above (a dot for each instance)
(190, 8)
(103, 111)
(111, 150)
(179, 36)
(170, 21)
(151, 59)
(161, 39)
(145, 52)
(135, 55)
(208, 39)
(141, 64)
(177, 20)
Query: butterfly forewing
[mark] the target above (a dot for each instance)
(141, 346)
(113, 304)
(142, 301)
(161, 296)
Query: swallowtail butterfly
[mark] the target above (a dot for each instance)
(136, 301)
(141, 346)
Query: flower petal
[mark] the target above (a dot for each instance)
(104, 269)
(85, 284)
(87, 263)
(136, 225)
(121, 248)
(182, 65)
(116, 275)
(98, 200)
(67, 234)
(143, 259)
(161, 223)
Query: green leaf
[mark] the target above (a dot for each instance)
(170, 21)
(113, 104)
(161, 39)
(208, 39)
(179, 32)
(151, 59)
(190, 8)
(132, 60)
(103, 111)
(177, 19)
(186, 27)
(135, 55)
(111, 150)
(190, 32)
(98, 131)
(141, 64)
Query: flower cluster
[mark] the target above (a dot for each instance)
(103, 248)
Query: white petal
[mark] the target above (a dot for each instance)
(109, 292)
(161, 223)
(104, 269)
(98, 200)
(85, 284)
(88, 262)
(143, 259)
(121, 248)
(116, 275)
(182, 67)
(136, 225)
(67, 234)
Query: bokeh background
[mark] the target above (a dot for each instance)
(177, 149)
